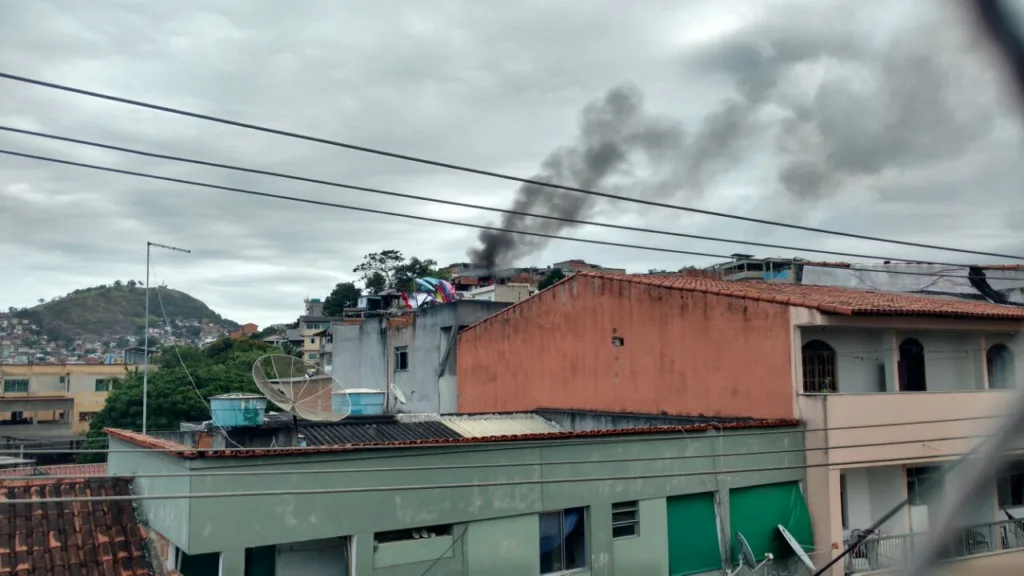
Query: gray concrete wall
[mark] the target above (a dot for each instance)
(502, 519)
(364, 355)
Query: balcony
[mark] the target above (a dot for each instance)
(884, 553)
(893, 418)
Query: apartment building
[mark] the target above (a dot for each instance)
(54, 399)
(917, 378)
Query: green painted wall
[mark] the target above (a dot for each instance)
(504, 546)
(168, 517)
(250, 521)
(647, 553)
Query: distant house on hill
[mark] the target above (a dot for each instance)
(244, 330)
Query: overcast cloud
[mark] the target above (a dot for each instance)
(875, 117)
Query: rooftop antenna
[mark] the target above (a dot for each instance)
(301, 388)
(747, 559)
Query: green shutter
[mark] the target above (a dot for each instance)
(756, 512)
(692, 535)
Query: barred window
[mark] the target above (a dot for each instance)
(819, 363)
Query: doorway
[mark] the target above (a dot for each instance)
(911, 366)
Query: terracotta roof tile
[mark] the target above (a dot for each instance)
(83, 470)
(69, 538)
(829, 299)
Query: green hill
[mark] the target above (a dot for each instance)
(105, 312)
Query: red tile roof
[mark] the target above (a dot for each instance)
(83, 470)
(828, 299)
(183, 451)
(98, 538)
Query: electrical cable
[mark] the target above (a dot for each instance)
(553, 439)
(446, 550)
(470, 170)
(464, 204)
(715, 455)
(488, 484)
(449, 222)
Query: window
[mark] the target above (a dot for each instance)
(819, 363)
(312, 340)
(103, 384)
(15, 385)
(401, 358)
(911, 366)
(625, 519)
(563, 541)
(1001, 373)
(313, 356)
(63, 379)
(1010, 486)
(843, 501)
(923, 483)
(412, 534)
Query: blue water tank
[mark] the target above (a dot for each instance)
(238, 409)
(364, 401)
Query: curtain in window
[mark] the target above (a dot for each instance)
(553, 531)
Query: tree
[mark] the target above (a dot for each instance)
(375, 283)
(389, 269)
(118, 284)
(131, 284)
(380, 263)
(344, 295)
(42, 300)
(551, 278)
(225, 366)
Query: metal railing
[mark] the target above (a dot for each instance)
(891, 552)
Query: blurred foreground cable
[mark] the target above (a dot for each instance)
(997, 22)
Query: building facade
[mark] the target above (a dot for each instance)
(414, 352)
(918, 378)
(54, 399)
(642, 502)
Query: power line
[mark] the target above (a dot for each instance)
(208, 473)
(490, 484)
(456, 203)
(450, 222)
(470, 170)
(620, 437)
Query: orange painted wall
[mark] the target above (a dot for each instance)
(683, 353)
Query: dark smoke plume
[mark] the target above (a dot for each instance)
(613, 131)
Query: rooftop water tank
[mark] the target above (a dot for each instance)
(238, 409)
(364, 401)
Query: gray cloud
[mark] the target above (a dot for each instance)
(497, 87)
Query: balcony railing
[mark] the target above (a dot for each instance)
(891, 552)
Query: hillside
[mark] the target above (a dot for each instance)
(111, 311)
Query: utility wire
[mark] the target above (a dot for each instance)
(467, 169)
(209, 473)
(453, 222)
(488, 484)
(460, 204)
(625, 437)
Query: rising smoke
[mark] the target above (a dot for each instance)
(871, 109)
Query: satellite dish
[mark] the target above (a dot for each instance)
(797, 548)
(746, 554)
(302, 388)
(397, 393)
(747, 559)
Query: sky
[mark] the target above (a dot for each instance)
(875, 117)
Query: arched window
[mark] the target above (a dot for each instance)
(1001, 373)
(911, 366)
(819, 361)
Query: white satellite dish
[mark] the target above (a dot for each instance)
(747, 559)
(797, 548)
(302, 388)
(397, 393)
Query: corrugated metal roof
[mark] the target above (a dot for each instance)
(486, 425)
(384, 430)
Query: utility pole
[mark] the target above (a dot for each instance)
(145, 337)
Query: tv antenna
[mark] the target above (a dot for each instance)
(747, 559)
(301, 388)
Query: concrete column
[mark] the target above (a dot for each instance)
(232, 563)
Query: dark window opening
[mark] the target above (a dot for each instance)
(819, 364)
(1010, 486)
(563, 541)
(401, 358)
(923, 484)
(618, 341)
(843, 501)
(412, 534)
(911, 366)
(625, 519)
(1001, 372)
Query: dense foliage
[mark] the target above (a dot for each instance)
(344, 295)
(222, 367)
(390, 269)
(551, 278)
